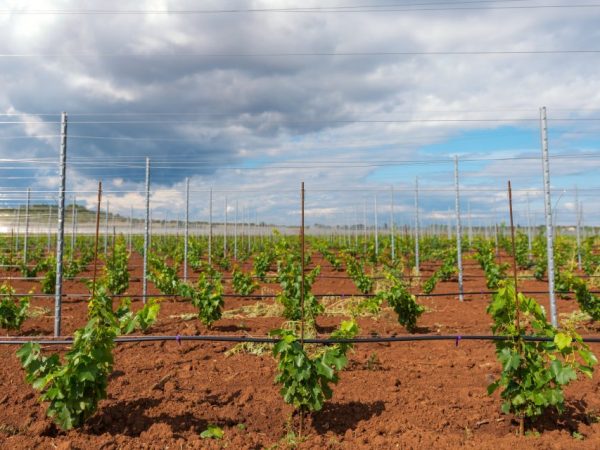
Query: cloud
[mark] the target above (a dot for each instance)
(161, 86)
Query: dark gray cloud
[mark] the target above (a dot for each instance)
(261, 110)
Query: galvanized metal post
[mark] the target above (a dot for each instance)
(186, 229)
(146, 234)
(256, 227)
(250, 229)
(235, 234)
(129, 241)
(376, 229)
(210, 230)
(243, 229)
(106, 228)
(548, 211)
(18, 229)
(61, 225)
(49, 243)
(529, 234)
(26, 225)
(76, 224)
(577, 227)
(458, 232)
(365, 227)
(302, 262)
(417, 225)
(225, 231)
(114, 233)
(392, 231)
(496, 231)
(582, 224)
(356, 227)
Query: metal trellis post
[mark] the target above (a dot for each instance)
(186, 229)
(376, 229)
(578, 227)
(417, 256)
(61, 225)
(49, 243)
(225, 231)
(529, 234)
(106, 228)
(210, 230)
(146, 233)
(26, 225)
(548, 212)
(458, 232)
(235, 233)
(392, 238)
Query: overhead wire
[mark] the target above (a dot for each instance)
(320, 120)
(584, 52)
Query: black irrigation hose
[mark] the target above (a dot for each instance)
(326, 277)
(441, 294)
(321, 341)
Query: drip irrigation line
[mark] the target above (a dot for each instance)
(441, 294)
(268, 340)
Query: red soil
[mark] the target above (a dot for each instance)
(400, 395)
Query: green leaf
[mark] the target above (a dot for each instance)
(492, 388)
(566, 374)
(555, 368)
(587, 370)
(324, 370)
(212, 432)
(562, 340)
(589, 358)
(512, 362)
(85, 375)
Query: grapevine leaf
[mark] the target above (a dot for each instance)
(212, 432)
(562, 340)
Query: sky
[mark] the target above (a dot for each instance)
(357, 99)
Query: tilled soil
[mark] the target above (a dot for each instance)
(395, 395)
